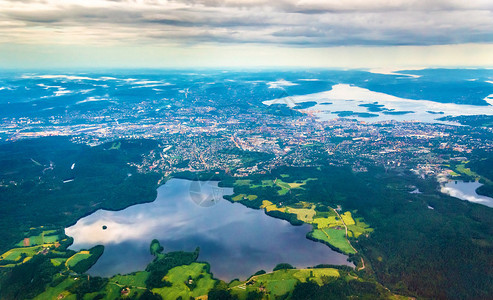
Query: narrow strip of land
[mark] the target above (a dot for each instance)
(345, 226)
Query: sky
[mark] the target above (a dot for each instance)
(387, 34)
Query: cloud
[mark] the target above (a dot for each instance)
(303, 23)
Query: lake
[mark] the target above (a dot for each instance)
(356, 101)
(466, 191)
(237, 241)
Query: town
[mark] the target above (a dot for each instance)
(255, 141)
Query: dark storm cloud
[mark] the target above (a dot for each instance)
(309, 23)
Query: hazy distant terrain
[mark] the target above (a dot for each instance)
(58, 92)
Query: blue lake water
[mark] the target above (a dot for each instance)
(466, 191)
(237, 241)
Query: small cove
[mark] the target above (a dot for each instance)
(466, 191)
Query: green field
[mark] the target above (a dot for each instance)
(277, 283)
(46, 237)
(356, 227)
(136, 279)
(179, 276)
(112, 291)
(453, 174)
(335, 237)
(54, 292)
(327, 222)
(58, 261)
(269, 206)
(461, 169)
(466, 171)
(243, 182)
(15, 254)
(287, 186)
(280, 282)
(77, 257)
(359, 228)
(264, 183)
(303, 214)
(315, 274)
(348, 218)
(280, 287)
(325, 214)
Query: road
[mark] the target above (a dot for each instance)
(345, 226)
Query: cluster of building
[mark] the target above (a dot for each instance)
(251, 140)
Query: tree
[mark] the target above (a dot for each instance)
(283, 266)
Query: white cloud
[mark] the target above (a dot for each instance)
(290, 22)
(190, 33)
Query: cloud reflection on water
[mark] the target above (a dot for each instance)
(466, 191)
(236, 240)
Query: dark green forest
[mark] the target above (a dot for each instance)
(33, 192)
(439, 253)
(484, 167)
(414, 250)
